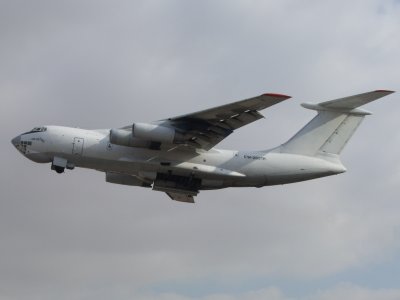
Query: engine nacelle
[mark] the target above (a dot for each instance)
(155, 133)
(145, 135)
(124, 137)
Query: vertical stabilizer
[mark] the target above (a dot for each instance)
(333, 126)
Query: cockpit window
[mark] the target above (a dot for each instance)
(38, 129)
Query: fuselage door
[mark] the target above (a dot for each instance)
(77, 146)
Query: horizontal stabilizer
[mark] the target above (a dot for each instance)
(349, 103)
(356, 100)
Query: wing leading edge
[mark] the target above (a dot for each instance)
(206, 128)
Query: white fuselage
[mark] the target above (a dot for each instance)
(216, 168)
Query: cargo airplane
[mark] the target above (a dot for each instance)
(177, 155)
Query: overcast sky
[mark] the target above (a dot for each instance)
(102, 64)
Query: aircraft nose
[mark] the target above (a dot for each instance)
(15, 141)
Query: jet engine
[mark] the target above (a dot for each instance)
(156, 133)
(144, 135)
(124, 137)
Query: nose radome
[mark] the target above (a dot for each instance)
(15, 141)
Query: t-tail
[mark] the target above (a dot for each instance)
(330, 130)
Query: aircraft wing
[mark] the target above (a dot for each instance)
(206, 128)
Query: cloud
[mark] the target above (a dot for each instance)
(95, 64)
(342, 291)
(348, 291)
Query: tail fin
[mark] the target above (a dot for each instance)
(333, 126)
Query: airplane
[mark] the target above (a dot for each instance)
(178, 155)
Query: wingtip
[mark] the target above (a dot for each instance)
(275, 95)
(384, 91)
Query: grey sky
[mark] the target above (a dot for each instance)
(101, 64)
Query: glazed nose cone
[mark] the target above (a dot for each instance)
(15, 141)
